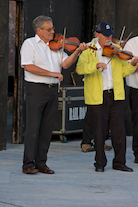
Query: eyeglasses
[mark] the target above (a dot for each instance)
(50, 29)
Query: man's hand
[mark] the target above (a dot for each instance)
(136, 69)
(59, 76)
(82, 46)
(103, 66)
(134, 61)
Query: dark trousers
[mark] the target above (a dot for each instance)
(99, 118)
(88, 133)
(41, 108)
(134, 108)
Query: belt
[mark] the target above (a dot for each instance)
(51, 85)
(109, 91)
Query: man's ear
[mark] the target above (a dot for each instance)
(38, 30)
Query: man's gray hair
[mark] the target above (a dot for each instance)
(39, 22)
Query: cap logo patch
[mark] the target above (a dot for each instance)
(107, 26)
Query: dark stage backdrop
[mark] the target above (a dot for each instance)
(126, 13)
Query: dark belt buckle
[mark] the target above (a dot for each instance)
(50, 85)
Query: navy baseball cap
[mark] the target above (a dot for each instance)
(104, 28)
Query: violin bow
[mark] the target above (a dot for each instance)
(63, 42)
(128, 37)
(122, 35)
(119, 43)
(62, 55)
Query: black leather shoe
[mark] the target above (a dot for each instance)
(99, 169)
(136, 160)
(123, 168)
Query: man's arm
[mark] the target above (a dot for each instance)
(39, 71)
(73, 57)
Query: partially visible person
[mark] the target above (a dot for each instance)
(42, 68)
(88, 143)
(132, 83)
(104, 96)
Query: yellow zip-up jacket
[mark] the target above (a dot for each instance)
(93, 83)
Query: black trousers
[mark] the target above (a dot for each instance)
(88, 133)
(41, 108)
(134, 108)
(100, 116)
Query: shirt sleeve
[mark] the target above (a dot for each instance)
(128, 48)
(27, 54)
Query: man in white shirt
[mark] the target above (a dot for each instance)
(42, 68)
(132, 82)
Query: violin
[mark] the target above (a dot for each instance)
(112, 51)
(70, 43)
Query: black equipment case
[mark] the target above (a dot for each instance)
(71, 112)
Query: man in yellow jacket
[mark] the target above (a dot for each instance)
(104, 95)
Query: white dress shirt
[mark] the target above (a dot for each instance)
(132, 46)
(106, 74)
(36, 51)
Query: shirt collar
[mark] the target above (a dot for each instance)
(38, 39)
(98, 46)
